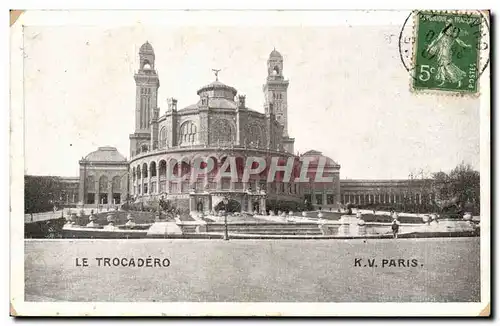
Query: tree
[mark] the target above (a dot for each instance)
(41, 193)
(462, 184)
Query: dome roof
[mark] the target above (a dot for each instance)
(146, 47)
(106, 154)
(317, 155)
(217, 85)
(217, 103)
(275, 54)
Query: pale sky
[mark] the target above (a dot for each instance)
(348, 97)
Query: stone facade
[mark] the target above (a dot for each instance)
(389, 192)
(219, 125)
(103, 178)
(322, 195)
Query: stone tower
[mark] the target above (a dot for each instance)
(275, 90)
(146, 103)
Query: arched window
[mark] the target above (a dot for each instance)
(256, 137)
(144, 148)
(188, 133)
(90, 184)
(146, 65)
(276, 71)
(221, 132)
(103, 184)
(116, 187)
(163, 138)
(152, 169)
(163, 168)
(133, 174)
(138, 172)
(145, 170)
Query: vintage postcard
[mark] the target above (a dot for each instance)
(250, 163)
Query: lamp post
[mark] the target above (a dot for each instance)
(225, 201)
(84, 161)
(410, 190)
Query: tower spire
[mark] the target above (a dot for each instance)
(275, 89)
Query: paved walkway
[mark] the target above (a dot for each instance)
(258, 271)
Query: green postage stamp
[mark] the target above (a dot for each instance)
(447, 51)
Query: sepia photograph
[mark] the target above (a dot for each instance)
(195, 163)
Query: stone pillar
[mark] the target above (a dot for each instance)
(110, 192)
(81, 187)
(324, 199)
(232, 186)
(134, 184)
(142, 183)
(249, 204)
(179, 173)
(97, 198)
(359, 199)
(394, 198)
(263, 204)
(158, 178)
(207, 203)
(192, 203)
(149, 181)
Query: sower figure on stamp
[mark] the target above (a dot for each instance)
(441, 48)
